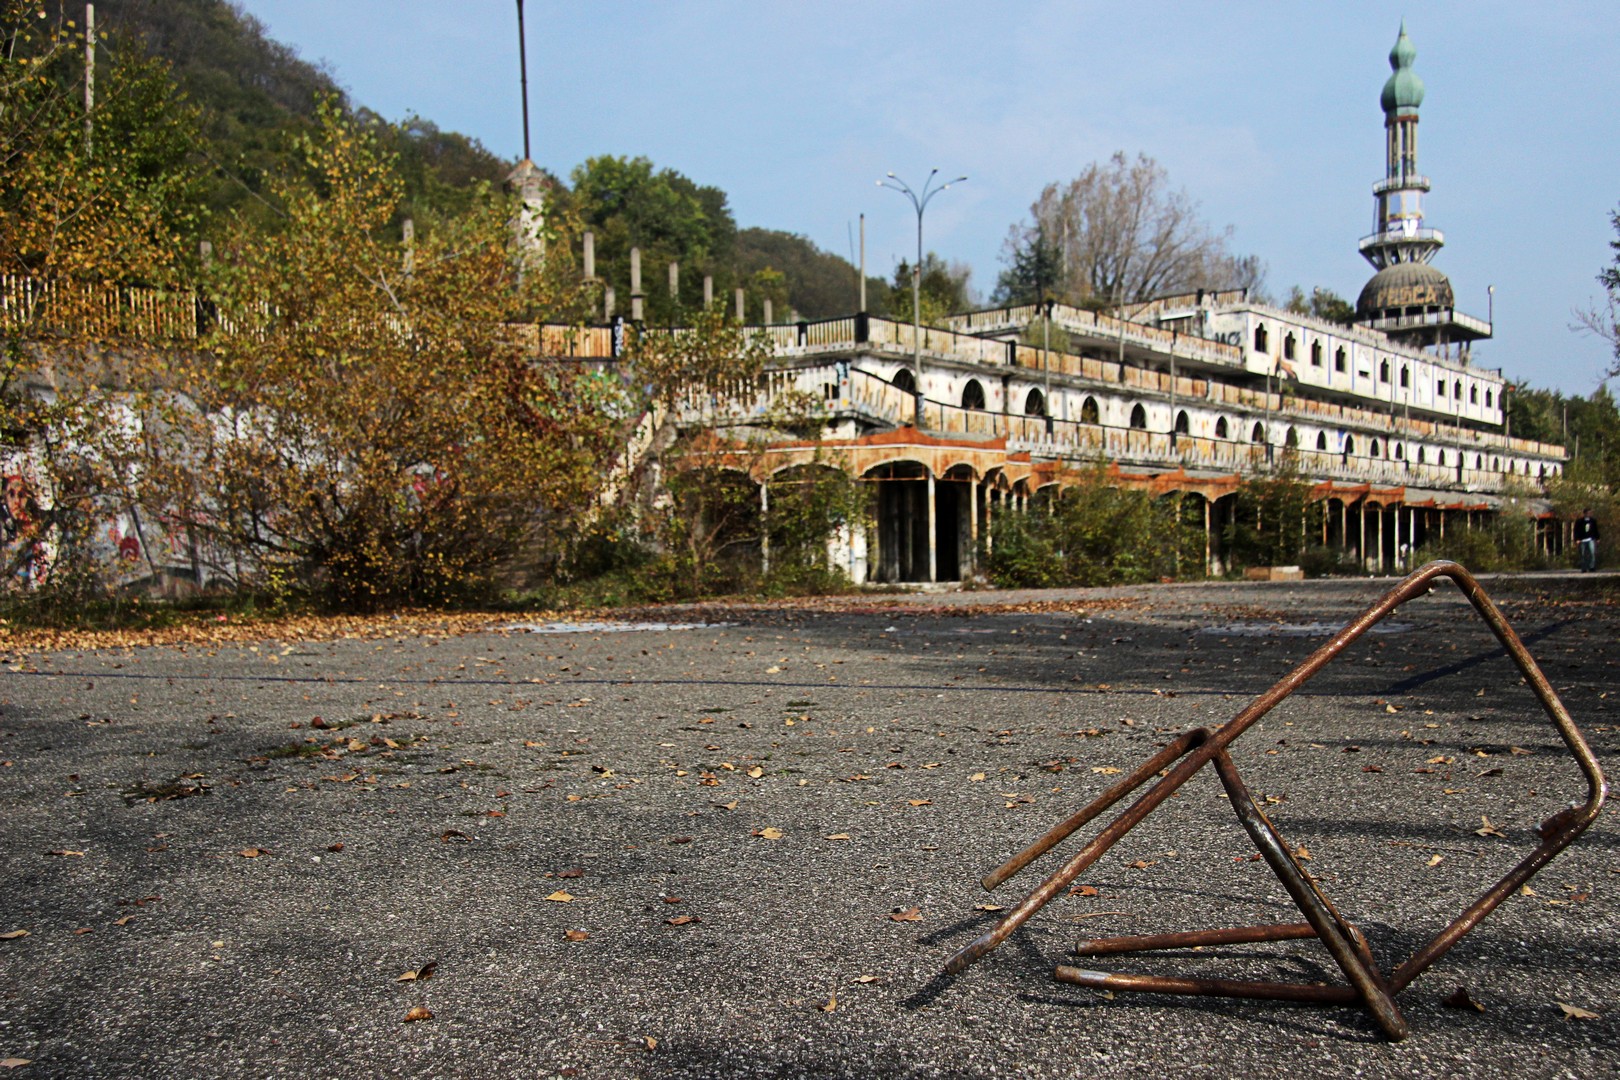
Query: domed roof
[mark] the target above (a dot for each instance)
(1404, 90)
(1404, 285)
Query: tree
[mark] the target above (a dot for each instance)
(1324, 304)
(944, 289)
(1123, 235)
(364, 418)
(819, 284)
(1034, 271)
(1602, 318)
(628, 204)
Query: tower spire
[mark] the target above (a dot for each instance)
(1407, 298)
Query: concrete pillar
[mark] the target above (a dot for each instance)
(675, 282)
(590, 256)
(933, 532)
(768, 311)
(970, 559)
(1361, 528)
(609, 299)
(635, 284)
(708, 291)
(407, 236)
(1209, 567)
(742, 312)
(764, 528)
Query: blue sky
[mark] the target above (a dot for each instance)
(1265, 112)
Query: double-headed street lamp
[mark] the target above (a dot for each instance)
(919, 202)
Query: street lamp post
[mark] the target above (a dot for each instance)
(919, 202)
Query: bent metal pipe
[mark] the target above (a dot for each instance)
(1192, 751)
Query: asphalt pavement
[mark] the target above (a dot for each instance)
(742, 840)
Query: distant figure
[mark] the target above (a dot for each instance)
(1586, 539)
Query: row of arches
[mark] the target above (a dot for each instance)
(1445, 390)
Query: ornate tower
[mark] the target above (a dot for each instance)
(1407, 299)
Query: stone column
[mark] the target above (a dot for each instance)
(933, 532)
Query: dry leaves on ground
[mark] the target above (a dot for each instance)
(911, 914)
(418, 1012)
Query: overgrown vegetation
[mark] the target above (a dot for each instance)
(1094, 533)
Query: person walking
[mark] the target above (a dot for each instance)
(1586, 539)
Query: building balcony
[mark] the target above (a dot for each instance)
(1409, 182)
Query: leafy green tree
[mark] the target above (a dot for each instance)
(819, 284)
(1324, 304)
(1034, 270)
(1275, 518)
(628, 203)
(944, 289)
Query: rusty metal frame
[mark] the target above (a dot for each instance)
(1190, 752)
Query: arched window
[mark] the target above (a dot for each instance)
(1258, 434)
(1182, 424)
(973, 395)
(1349, 444)
(1372, 449)
(1441, 458)
(905, 380)
(1456, 389)
(1473, 395)
(1400, 452)
(1420, 455)
(1340, 361)
(1316, 354)
(1321, 440)
(1383, 371)
(1088, 411)
(1440, 388)
(1260, 340)
(1292, 438)
(1406, 378)
(1487, 399)
(1221, 430)
(1478, 460)
(1138, 417)
(1288, 347)
(1035, 403)
(1496, 464)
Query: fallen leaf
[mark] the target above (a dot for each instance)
(421, 974)
(976, 777)
(863, 979)
(561, 897)
(1084, 890)
(1487, 829)
(1106, 770)
(14, 1063)
(66, 854)
(1525, 890)
(756, 772)
(81, 931)
(649, 1042)
(1372, 768)
(124, 921)
(1520, 751)
(576, 935)
(988, 907)
(417, 1013)
(1435, 860)
(732, 805)
(13, 935)
(831, 1003)
(335, 847)
(682, 920)
(571, 872)
(837, 836)
(253, 852)
(680, 839)
(453, 834)
(1460, 1000)
(911, 914)
(1142, 864)
(921, 802)
(1302, 853)
(1575, 1012)
(770, 833)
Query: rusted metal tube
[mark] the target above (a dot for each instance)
(1194, 939)
(1058, 833)
(1341, 938)
(1158, 984)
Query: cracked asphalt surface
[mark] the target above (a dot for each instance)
(680, 852)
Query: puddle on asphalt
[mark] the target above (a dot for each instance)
(1312, 629)
(610, 627)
